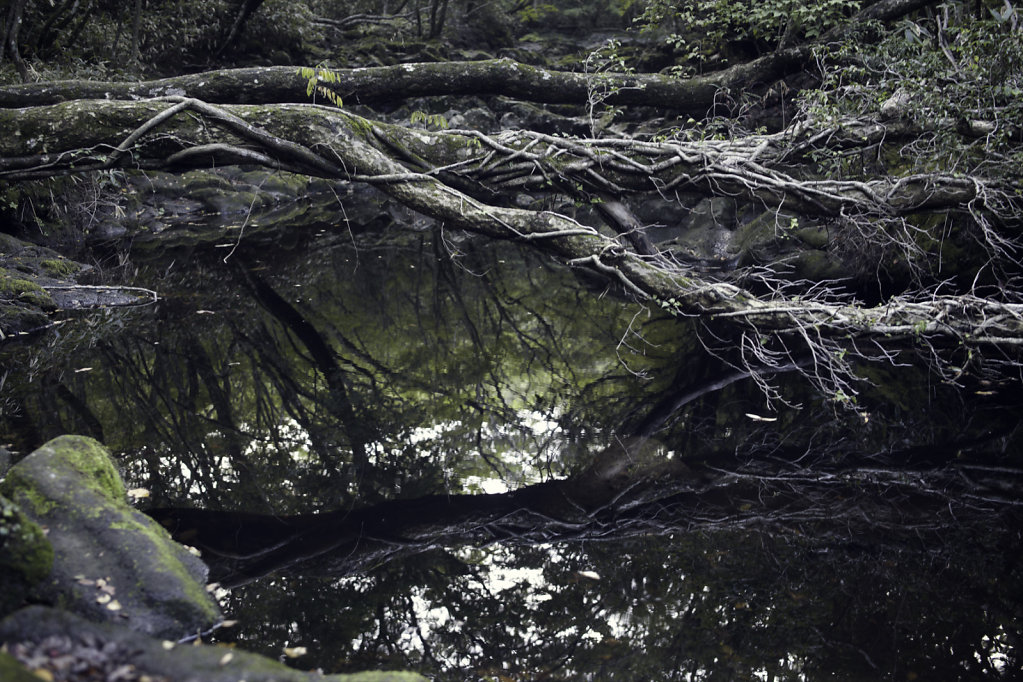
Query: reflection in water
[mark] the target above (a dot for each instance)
(424, 452)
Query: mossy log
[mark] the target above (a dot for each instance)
(379, 84)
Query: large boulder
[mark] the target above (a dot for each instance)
(12, 671)
(51, 642)
(110, 561)
(25, 556)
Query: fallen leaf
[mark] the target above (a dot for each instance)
(121, 672)
(192, 550)
(83, 369)
(592, 575)
(226, 658)
(228, 623)
(295, 651)
(114, 605)
(167, 645)
(103, 599)
(138, 493)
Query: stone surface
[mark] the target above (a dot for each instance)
(158, 660)
(25, 270)
(12, 671)
(26, 557)
(111, 562)
(36, 282)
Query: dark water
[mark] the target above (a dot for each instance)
(475, 408)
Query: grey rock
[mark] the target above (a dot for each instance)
(26, 557)
(24, 631)
(715, 213)
(110, 561)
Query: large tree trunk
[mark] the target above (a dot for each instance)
(378, 84)
(15, 16)
(245, 10)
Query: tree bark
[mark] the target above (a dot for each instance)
(378, 84)
(15, 15)
(136, 31)
(245, 10)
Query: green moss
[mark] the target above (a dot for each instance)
(12, 287)
(817, 265)
(39, 299)
(15, 318)
(361, 125)
(26, 557)
(12, 671)
(376, 676)
(169, 563)
(817, 237)
(87, 458)
(20, 486)
(93, 461)
(291, 184)
(72, 485)
(14, 525)
(60, 267)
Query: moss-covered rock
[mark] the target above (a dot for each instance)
(25, 629)
(17, 319)
(25, 556)
(818, 266)
(60, 266)
(12, 671)
(26, 272)
(16, 288)
(111, 562)
(165, 210)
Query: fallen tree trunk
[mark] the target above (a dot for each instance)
(506, 77)
(373, 85)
